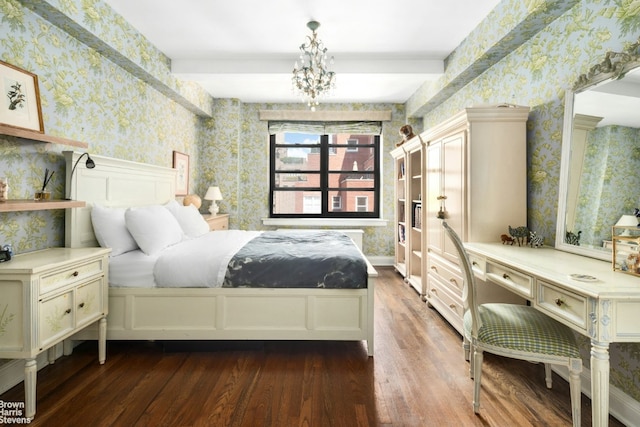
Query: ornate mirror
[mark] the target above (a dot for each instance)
(600, 168)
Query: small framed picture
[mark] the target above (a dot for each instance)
(20, 106)
(181, 164)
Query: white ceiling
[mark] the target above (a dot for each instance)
(384, 50)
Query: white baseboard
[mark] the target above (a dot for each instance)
(622, 406)
(381, 261)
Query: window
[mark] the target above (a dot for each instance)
(336, 203)
(324, 175)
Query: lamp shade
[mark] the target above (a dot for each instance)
(213, 193)
(627, 221)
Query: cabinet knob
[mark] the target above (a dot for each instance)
(442, 197)
(560, 302)
(81, 305)
(67, 311)
(75, 273)
(506, 276)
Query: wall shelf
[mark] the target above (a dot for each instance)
(37, 136)
(17, 205)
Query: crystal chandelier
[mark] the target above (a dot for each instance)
(312, 79)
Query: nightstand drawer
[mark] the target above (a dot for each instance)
(56, 318)
(88, 302)
(217, 222)
(70, 275)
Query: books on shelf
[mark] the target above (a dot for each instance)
(401, 234)
(416, 220)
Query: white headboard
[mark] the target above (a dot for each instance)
(114, 183)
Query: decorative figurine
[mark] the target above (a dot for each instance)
(506, 239)
(520, 234)
(572, 238)
(406, 132)
(535, 241)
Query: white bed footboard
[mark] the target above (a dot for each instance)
(208, 313)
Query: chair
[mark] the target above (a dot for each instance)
(516, 331)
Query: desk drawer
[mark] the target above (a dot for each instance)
(511, 279)
(562, 304)
(70, 275)
(479, 266)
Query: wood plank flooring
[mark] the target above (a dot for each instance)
(418, 377)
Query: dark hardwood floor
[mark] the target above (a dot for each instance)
(418, 377)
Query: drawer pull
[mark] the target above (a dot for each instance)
(434, 268)
(434, 291)
(560, 302)
(474, 263)
(81, 305)
(75, 273)
(454, 281)
(506, 276)
(452, 306)
(67, 311)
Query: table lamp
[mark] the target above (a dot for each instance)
(213, 194)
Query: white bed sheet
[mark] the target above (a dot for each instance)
(200, 262)
(132, 270)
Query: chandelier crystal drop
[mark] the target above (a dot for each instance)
(311, 77)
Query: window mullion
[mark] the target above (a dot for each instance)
(324, 173)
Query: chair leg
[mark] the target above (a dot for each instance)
(472, 350)
(466, 345)
(477, 368)
(547, 375)
(576, 395)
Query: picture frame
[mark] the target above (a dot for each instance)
(181, 164)
(20, 106)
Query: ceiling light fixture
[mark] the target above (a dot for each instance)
(312, 78)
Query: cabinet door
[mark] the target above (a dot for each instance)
(434, 191)
(56, 318)
(89, 302)
(453, 188)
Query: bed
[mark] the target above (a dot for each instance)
(297, 311)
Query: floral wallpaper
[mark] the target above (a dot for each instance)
(104, 84)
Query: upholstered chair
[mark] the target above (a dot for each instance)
(516, 331)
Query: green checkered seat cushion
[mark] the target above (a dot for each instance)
(523, 328)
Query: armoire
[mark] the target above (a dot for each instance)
(471, 171)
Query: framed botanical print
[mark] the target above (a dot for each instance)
(181, 164)
(20, 107)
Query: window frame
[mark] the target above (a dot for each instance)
(327, 149)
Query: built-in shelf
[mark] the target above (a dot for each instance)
(17, 205)
(37, 136)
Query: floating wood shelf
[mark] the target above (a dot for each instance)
(37, 136)
(33, 205)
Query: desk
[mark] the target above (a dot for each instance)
(605, 310)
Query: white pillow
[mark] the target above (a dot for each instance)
(111, 231)
(190, 219)
(153, 227)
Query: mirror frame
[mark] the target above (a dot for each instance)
(614, 66)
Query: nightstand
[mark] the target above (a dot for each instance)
(45, 297)
(217, 222)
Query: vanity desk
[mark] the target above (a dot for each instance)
(605, 309)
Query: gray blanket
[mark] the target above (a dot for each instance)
(298, 259)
